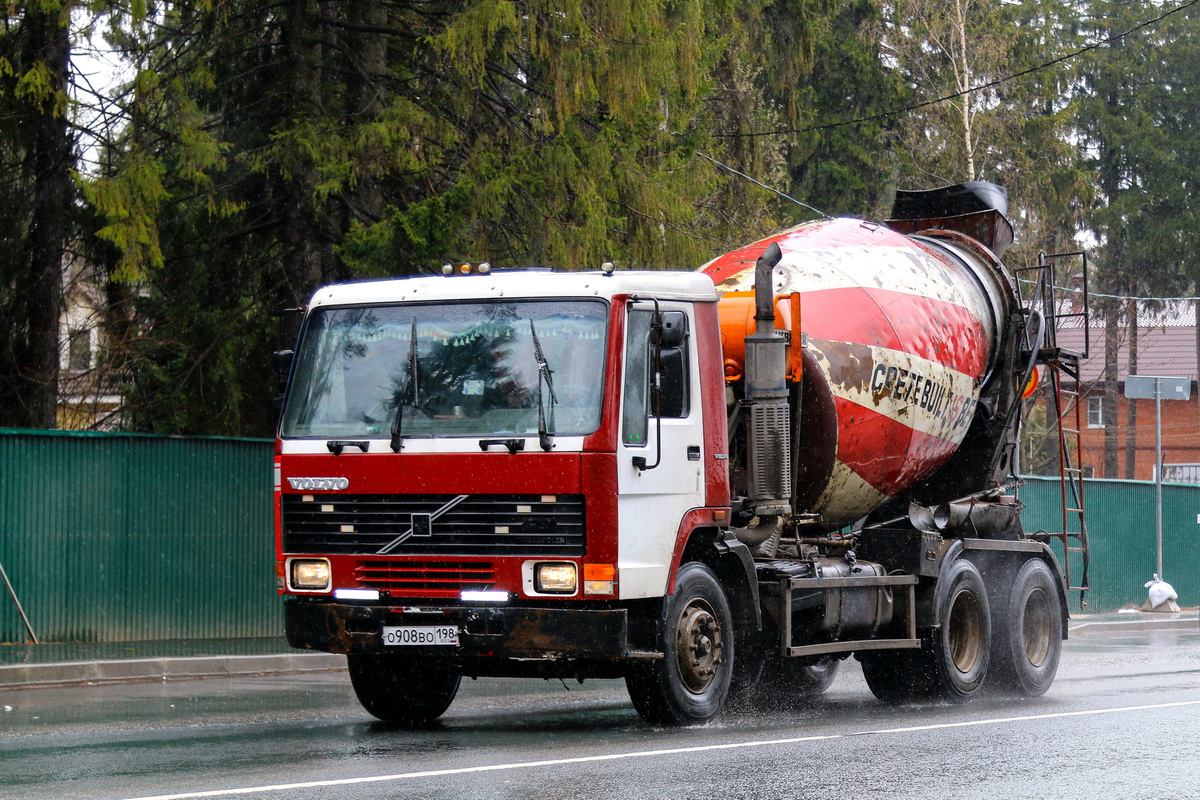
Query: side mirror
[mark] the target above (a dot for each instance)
(672, 392)
(282, 361)
(674, 329)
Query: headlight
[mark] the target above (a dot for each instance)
(310, 574)
(555, 578)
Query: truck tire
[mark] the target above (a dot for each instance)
(800, 679)
(782, 683)
(689, 685)
(892, 675)
(401, 690)
(954, 662)
(746, 682)
(811, 680)
(1027, 632)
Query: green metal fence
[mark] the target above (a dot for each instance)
(1121, 530)
(110, 537)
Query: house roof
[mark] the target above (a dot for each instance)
(1166, 343)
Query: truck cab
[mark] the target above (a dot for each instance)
(496, 474)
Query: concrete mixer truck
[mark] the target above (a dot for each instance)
(711, 484)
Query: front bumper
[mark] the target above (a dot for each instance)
(486, 635)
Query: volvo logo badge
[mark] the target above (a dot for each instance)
(319, 484)
(420, 525)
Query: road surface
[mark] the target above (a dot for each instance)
(1122, 721)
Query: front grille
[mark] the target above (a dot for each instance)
(420, 579)
(443, 525)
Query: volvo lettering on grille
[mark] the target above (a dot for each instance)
(319, 484)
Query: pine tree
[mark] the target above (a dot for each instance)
(1135, 116)
(984, 115)
(36, 160)
(271, 148)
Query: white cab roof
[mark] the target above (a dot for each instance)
(694, 286)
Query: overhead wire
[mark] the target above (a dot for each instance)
(728, 168)
(973, 89)
(1072, 290)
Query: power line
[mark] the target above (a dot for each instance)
(764, 186)
(972, 90)
(1073, 290)
(1132, 297)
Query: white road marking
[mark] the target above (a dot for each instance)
(436, 773)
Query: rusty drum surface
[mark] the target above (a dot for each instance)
(901, 334)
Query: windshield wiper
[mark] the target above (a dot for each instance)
(411, 380)
(545, 433)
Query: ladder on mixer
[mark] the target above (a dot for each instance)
(1068, 415)
(1063, 367)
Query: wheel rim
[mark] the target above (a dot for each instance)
(965, 632)
(698, 646)
(821, 668)
(1035, 628)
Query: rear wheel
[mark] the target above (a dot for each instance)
(814, 679)
(799, 678)
(784, 682)
(952, 663)
(690, 683)
(401, 690)
(955, 663)
(892, 675)
(1028, 632)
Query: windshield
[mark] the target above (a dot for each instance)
(476, 369)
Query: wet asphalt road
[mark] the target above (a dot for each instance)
(1122, 721)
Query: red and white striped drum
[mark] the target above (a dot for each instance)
(901, 333)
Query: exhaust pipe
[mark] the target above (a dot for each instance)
(769, 436)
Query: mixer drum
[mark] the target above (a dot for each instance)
(900, 337)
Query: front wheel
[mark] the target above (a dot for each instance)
(404, 691)
(1028, 631)
(689, 684)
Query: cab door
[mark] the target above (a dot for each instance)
(659, 467)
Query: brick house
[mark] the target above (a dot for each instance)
(1166, 347)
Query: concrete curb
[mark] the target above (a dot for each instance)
(30, 676)
(1141, 621)
(167, 668)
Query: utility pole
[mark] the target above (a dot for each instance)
(1146, 387)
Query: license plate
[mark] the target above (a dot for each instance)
(420, 635)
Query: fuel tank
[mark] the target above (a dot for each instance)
(898, 334)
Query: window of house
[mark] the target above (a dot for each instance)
(79, 349)
(1095, 412)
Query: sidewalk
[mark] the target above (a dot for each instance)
(1187, 619)
(27, 666)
